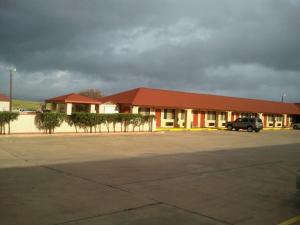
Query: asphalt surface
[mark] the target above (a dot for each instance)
(184, 178)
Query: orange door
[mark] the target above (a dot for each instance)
(232, 116)
(237, 116)
(265, 120)
(202, 119)
(195, 118)
(158, 116)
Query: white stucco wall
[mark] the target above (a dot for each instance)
(4, 106)
(26, 124)
(108, 108)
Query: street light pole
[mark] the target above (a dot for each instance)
(282, 96)
(10, 92)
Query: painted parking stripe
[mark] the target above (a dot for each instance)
(291, 221)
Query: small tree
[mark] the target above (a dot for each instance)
(6, 118)
(48, 121)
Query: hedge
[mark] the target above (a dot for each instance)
(5, 119)
(48, 121)
(92, 121)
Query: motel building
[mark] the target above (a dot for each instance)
(4, 103)
(175, 109)
(71, 103)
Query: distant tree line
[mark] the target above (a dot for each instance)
(91, 93)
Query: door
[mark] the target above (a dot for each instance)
(158, 117)
(195, 118)
(265, 120)
(202, 119)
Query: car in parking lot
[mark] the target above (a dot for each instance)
(247, 123)
(296, 126)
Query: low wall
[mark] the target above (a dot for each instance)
(26, 124)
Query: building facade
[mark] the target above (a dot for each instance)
(175, 109)
(4, 102)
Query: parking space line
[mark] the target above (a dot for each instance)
(291, 221)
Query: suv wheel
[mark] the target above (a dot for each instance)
(257, 130)
(249, 129)
(229, 127)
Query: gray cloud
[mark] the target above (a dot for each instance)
(240, 48)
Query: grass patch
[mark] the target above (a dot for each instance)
(24, 104)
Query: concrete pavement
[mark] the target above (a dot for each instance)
(173, 178)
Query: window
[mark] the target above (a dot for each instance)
(182, 117)
(211, 116)
(270, 118)
(169, 114)
(144, 111)
(245, 120)
(239, 120)
(223, 116)
(279, 118)
(169, 124)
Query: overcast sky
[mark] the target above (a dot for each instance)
(234, 47)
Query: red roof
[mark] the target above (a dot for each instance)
(4, 98)
(73, 98)
(184, 100)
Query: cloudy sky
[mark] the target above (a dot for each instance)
(233, 47)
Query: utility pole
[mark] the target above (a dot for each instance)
(282, 96)
(11, 71)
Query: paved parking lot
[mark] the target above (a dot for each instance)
(206, 177)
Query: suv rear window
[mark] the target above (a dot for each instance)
(251, 120)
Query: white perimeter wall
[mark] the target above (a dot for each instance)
(26, 124)
(4, 106)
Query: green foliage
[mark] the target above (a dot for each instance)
(6, 118)
(24, 104)
(48, 121)
(88, 121)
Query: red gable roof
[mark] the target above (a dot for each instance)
(3, 98)
(73, 98)
(185, 100)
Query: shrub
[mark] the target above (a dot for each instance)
(88, 121)
(6, 118)
(48, 121)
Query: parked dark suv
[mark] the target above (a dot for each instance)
(247, 123)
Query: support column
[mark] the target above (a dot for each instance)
(228, 116)
(135, 110)
(218, 118)
(284, 122)
(92, 108)
(68, 108)
(188, 119)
